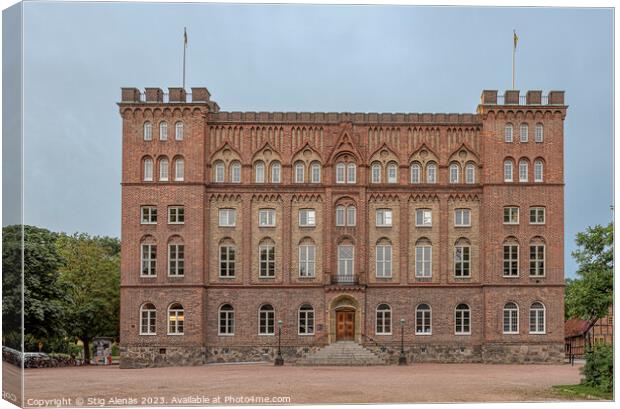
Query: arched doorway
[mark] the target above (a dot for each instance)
(345, 319)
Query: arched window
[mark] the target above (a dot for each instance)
(383, 260)
(148, 131)
(228, 257)
(266, 320)
(178, 131)
(462, 258)
(176, 319)
(148, 258)
(375, 173)
(423, 258)
(508, 133)
(179, 169)
(340, 216)
(351, 219)
(340, 172)
(306, 320)
(384, 320)
(524, 131)
(345, 262)
(276, 173)
(299, 172)
(307, 258)
(416, 171)
(537, 318)
(523, 170)
(462, 320)
(163, 130)
(540, 133)
(259, 172)
(538, 170)
(537, 258)
(431, 173)
(454, 173)
(508, 170)
(315, 172)
(148, 170)
(148, 319)
(470, 173)
(392, 172)
(176, 259)
(219, 172)
(266, 259)
(227, 320)
(235, 172)
(163, 169)
(423, 320)
(511, 318)
(351, 173)
(511, 258)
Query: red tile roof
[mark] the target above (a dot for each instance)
(576, 327)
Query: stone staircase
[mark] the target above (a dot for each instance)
(342, 353)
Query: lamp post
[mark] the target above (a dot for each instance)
(279, 360)
(402, 360)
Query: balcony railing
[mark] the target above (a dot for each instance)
(350, 279)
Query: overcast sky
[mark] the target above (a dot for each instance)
(298, 58)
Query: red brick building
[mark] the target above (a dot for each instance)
(580, 334)
(340, 225)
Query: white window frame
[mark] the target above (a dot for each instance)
(460, 329)
(348, 261)
(227, 217)
(431, 173)
(383, 316)
(310, 217)
(340, 172)
(384, 217)
(537, 210)
(276, 172)
(513, 317)
(219, 172)
(179, 170)
(392, 173)
(464, 262)
(235, 172)
(426, 217)
(163, 131)
(539, 135)
(147, 131)
(151, 319)
(315, 172)
(426, 320)
(508, 133)
(307, 263)
(229, 262)
(508, 170)
(179, 131)
(514, 258)
(341, 215)
(454, 173)
(470, 173)
(351, 219)
(148, 170)
(375, 173)
(270, 320)
(259, 177)
(299, 172)
(539, 169)
(538, 271)
(269, 262)
(462, 214)
(148, 214)
(305, 320)
(538, 320)
(266, 217)
(151, 267)
(426, 261)
(164, 170)
(383, 263)
(351, 173)
(416, 172)
(226, 317)
(523, 171)
(524, 133)
(511, 213)
(176, 212)
(179, 312)
(177, 263)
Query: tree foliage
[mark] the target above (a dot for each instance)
(598, 371)
(590, 295)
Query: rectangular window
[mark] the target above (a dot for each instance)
(306, 260)
(236, 173)
(423, 262)
(462, 217)
(148, 215)
(227, 261)
(351, 173)
(266, 324)
(511, 260)
(511, 321)
(148, 322)
(537, 260)
(228, 217)
(508, 171)
(423, 321)
(219, 172)
(524, 132)
(306, 321)
(537, 321)
(351, 216)
(316, 173)
(340, 173)
(176, 259)
(423, 217)
(227, 321)
(176, 215)
(340, 216)
(384, 260)
(461, 261)
(148, 260)
(538, 137)
(307, 217)
(462, 321)
(267, 262)
(537, 215)
(266, 217)
(179, 173)
(391, 174)
(511, 215)
(345, 260)
(384, 218)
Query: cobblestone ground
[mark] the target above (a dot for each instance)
(89, 386)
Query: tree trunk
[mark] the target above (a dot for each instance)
(86, 343)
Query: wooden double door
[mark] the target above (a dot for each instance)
(345, 325)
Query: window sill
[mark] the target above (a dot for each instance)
(384, 277)
(223, 227)
(225, 335)
(384, 226)
(462, 334)
(148, 224)
(147, 335)
(266, 335)
(227, 277)
(151, 276)
(423, 225)
(176, 223)
(176, 334)
(305, 335)
(175, 276)
(266, 278)
(462, 277)
(423, 333)
(306, 277)
(460, 226)
(510, 333)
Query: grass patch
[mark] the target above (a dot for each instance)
(582, 392)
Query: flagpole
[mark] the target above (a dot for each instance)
(184, 47)
(514, 50)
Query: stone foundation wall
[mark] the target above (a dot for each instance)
(552, 353)
(257, 354)
(145, 357)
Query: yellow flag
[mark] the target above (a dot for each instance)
(515, 38)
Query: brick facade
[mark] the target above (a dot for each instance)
(217, 144)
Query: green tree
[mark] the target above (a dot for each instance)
(43, 293)
(590, 296)
(91, 273)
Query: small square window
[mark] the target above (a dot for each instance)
(176, 215)
(267, 218)
(423, 217)
(537, 215)
(384, 218)
(307, 217)
(227, 217)
(148, 215)
(511, 215)
(462, 217)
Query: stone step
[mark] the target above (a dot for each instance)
(343, 353)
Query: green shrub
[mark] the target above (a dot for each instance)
(598, 371)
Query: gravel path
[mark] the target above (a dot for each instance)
(89, 386)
